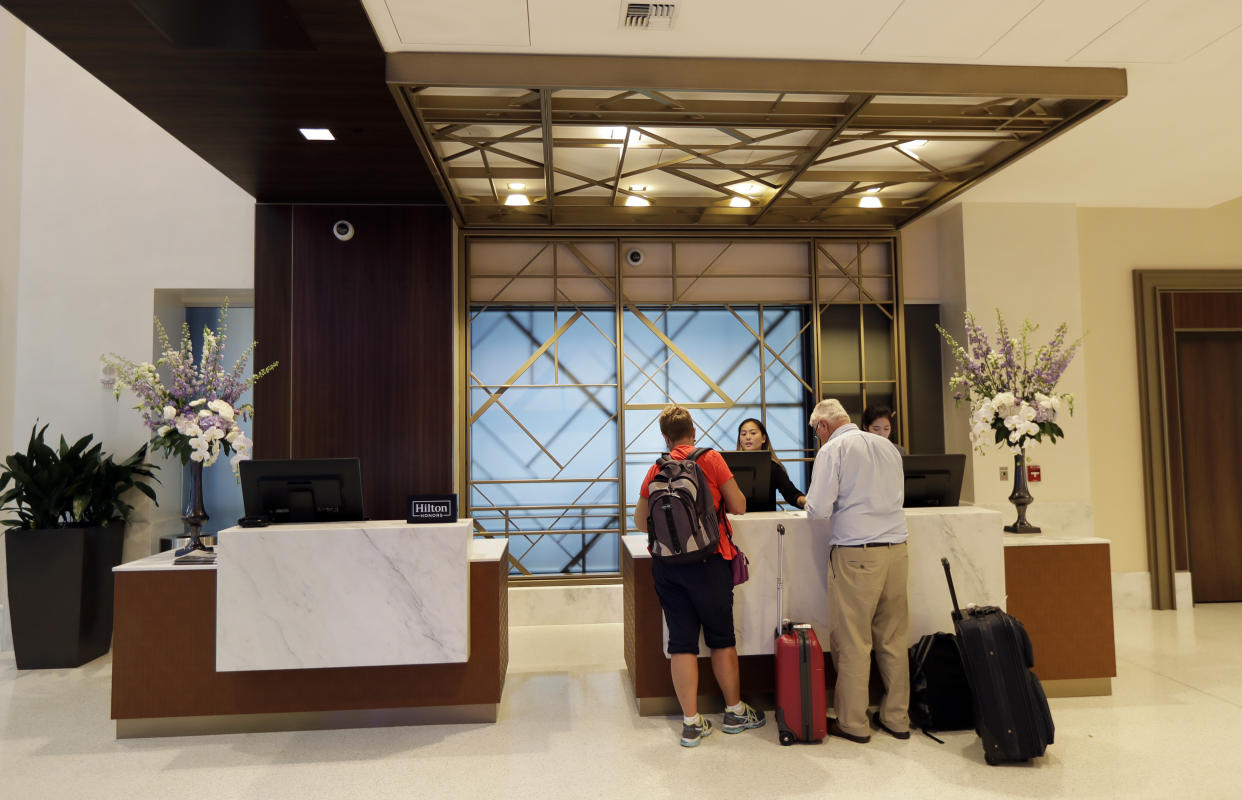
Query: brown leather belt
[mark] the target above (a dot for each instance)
(871, 544)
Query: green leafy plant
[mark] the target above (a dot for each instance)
(70, 485)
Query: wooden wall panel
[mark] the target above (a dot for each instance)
(369, 370)
(273, 271)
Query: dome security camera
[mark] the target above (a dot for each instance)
(633, 257)
(343, 230)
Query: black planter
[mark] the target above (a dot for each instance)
(60, 593)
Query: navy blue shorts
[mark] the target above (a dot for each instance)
(696, 596)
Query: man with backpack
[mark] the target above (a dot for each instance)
(680, 509)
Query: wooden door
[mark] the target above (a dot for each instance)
(1209, 388)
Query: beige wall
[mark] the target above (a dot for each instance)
(1055, 263)
(12, 93)
(1112, 243)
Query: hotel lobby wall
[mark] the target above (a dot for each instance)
(104, 217)
(971, 249)
(12, 80)
(1113, 242)
(364, 331)
(1023, 260)
(1018, 258)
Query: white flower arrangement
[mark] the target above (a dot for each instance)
(196, 418)
(1011, 392)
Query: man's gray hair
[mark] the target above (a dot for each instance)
(830, 411)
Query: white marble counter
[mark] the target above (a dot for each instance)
(344, 594)
(969, 536)
(159, 561)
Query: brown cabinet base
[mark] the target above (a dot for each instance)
(164, 680)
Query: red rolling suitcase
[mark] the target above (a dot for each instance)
(801, 707)
(1011, 711)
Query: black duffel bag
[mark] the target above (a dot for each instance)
(940, 696)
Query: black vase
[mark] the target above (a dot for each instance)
(195, 514)
(60, 593)
(1021, 496)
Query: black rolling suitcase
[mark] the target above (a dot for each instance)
(1011, 711)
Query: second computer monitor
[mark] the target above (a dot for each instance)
(933, 480)
(752, 469)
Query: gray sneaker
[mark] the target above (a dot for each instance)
(691, 735)
(736, 723)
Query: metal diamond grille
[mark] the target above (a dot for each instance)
(575, 347)
(577, 141)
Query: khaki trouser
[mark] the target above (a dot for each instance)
(867, 597)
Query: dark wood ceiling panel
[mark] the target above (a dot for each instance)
(240, 109)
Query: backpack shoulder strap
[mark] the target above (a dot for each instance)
(698, 453)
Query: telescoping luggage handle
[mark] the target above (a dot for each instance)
(957, 612)
(780, 580)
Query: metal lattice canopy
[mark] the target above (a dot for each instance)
(589, 142)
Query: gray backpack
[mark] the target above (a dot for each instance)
(682, 526)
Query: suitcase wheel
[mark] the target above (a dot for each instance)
(991, 759)
(787, 738)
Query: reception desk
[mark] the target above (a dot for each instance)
(1059, 587)
(970, 537)
(292, 629)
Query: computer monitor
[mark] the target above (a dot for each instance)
(933, 480)
(752, 469)
(303, 489)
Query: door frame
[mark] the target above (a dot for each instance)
(1149, 286)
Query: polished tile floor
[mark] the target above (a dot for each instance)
(1172, 729)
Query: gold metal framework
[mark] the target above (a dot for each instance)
(559, 274)
(589, 142)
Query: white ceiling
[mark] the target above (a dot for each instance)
(1173, 142)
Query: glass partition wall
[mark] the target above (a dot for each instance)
(576, 344)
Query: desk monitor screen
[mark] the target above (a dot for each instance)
(303, 490)
(752, 469)
(933, 480)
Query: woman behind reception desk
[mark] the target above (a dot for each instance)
(879, 420)
(752, 435)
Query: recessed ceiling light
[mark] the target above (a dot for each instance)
(317, 134)
(639, 187)
(745, 188)
(517, 200)
(872, 190)
(516, 187)
(870, 201)
(739, 202)
(635, 200)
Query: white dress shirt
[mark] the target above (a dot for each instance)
(859, 483)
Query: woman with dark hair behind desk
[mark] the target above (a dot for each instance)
(879, 420)
(752, 435)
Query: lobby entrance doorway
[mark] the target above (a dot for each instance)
(1209, 378)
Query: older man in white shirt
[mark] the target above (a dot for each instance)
(858, 483)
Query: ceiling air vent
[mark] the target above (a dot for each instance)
(648, 16)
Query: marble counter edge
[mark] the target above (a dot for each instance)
(480, 550)
(1044, 540)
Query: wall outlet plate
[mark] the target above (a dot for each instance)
(1004, 473)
